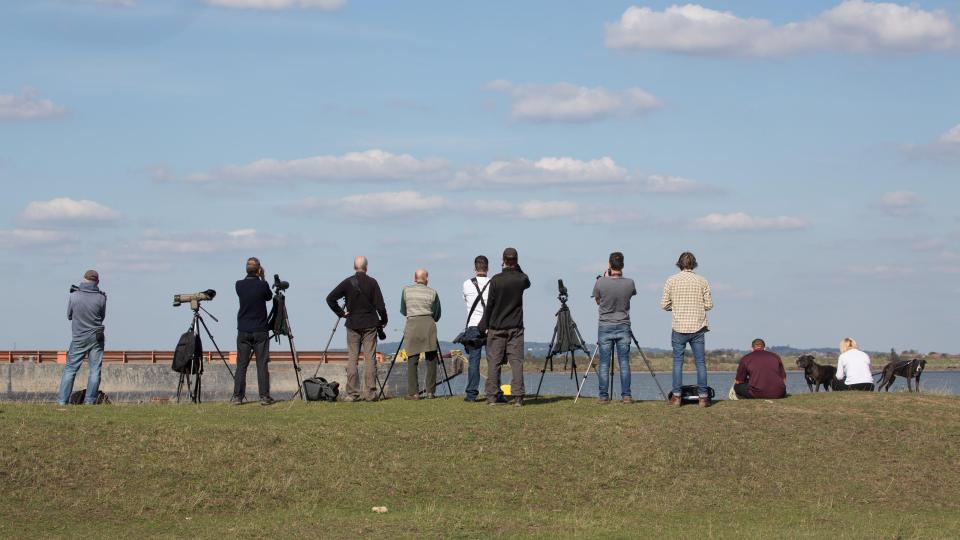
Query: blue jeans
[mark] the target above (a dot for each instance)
(473, 369)
(79, 348)
(609, 336)
(697, 345)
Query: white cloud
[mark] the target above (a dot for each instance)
(565, 102)
(548, 171)
(947, 146)
(881, 270)
(324, 5)
(741, 222)
(659, 183)
(28, 238)
(410, 202)
(901, 203)
(393, 202)
(157, 242)
(371, 165)
(952, 136)
(852, 26)
(64, 209)
(28, 106)
(117, 3)
(546, 209)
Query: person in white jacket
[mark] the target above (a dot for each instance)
(853, 368)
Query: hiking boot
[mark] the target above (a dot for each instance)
(705, 402)
(518, 402)
(375, 398)
(502, 399)
(675, 400)
(349, 399)
(411, 397)
(236, 400)
(266, 401)
(604, 401)
(430, 395)
(627, 400)
(493, 402)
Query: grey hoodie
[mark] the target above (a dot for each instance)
(87, 309)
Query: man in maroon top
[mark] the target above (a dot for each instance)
(760, 374)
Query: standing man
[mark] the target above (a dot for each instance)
(687, 295)
(613, 293)
(86, 310)
(421, 306)
(475, 294)
(252, 335)
(760, 375)
(366, 316)
(503, 323)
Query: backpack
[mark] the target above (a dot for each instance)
(275, 321)
(690, 393)
(188, 354)
(78, 397)
(318, 389)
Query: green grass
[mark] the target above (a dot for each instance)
(847, 465)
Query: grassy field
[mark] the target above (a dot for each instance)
(847, 465)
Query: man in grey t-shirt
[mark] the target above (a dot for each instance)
(613, 293)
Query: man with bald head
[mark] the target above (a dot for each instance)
(421, 306)
(365, 313)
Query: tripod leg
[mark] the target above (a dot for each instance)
(548, 359)
(444, 366)
(573, 368)
(180, 387)
(327, 348)
(587, 372)
(649, 367)
(386, 378)
(215, 346)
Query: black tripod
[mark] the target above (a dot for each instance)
(280, 324)
(645, 361)
(196, 366)
(566, 339)
(393, 361)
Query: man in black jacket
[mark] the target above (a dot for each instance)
(503, 323)
(366, 314)
(252, 336)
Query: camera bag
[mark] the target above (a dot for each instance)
(318, 389)
(188, 354)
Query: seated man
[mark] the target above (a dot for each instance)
(760, 375)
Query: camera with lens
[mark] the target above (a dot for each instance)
(563, 291)
(279, 284)
(194, 299)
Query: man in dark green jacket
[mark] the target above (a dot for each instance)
(421, 306)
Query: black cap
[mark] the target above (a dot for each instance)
(510, 254)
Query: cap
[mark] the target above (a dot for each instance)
(91, 275)
(510, 254)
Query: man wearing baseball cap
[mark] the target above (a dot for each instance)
(503, 323)
(86, 310)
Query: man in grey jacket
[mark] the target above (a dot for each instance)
(86, 310)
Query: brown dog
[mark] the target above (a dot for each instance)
(909, 369)
(815, 374)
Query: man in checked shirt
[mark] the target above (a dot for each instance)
(687, 295)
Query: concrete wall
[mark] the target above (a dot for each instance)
(29, 380)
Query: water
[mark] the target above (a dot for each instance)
(643, 387)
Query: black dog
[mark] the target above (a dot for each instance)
(909, 369)
(815, 374)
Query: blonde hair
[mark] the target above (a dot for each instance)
(847, 343)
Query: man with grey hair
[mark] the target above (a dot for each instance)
(421, 306)
(86, 310)
(366, 316)
(687, 296)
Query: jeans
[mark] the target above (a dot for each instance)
(79, 348)
(473, 368)
(609, 336)
(697, 345)
(256, 343)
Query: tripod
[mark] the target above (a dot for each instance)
(566, 339)
(281, 326)
(196, 367)
(393, 361)
(645, 361)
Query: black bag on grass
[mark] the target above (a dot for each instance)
(691, 393)
(318, 389)
(78, 397)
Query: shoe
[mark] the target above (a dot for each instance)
(518, 402)
(236, 400)
(603, 401)
(675, 400)
(430, 396)
(412, 397)
(627, 400)
(349, 399)
(266, 401)
(494, 402)
(502, 399)
(373, 399)
(704, 402)
(470, 399)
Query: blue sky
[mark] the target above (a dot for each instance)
(807, 152)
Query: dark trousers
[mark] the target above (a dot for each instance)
(840, 386)
(742, 390)
(504, 347)
(252, 343)
(430, 383)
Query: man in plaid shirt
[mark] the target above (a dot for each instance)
(687, 296)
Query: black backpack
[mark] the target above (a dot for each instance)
(78, 397)
(318, 389)
(690, 393)
(188, 354)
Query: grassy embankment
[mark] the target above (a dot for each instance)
(851, 465)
